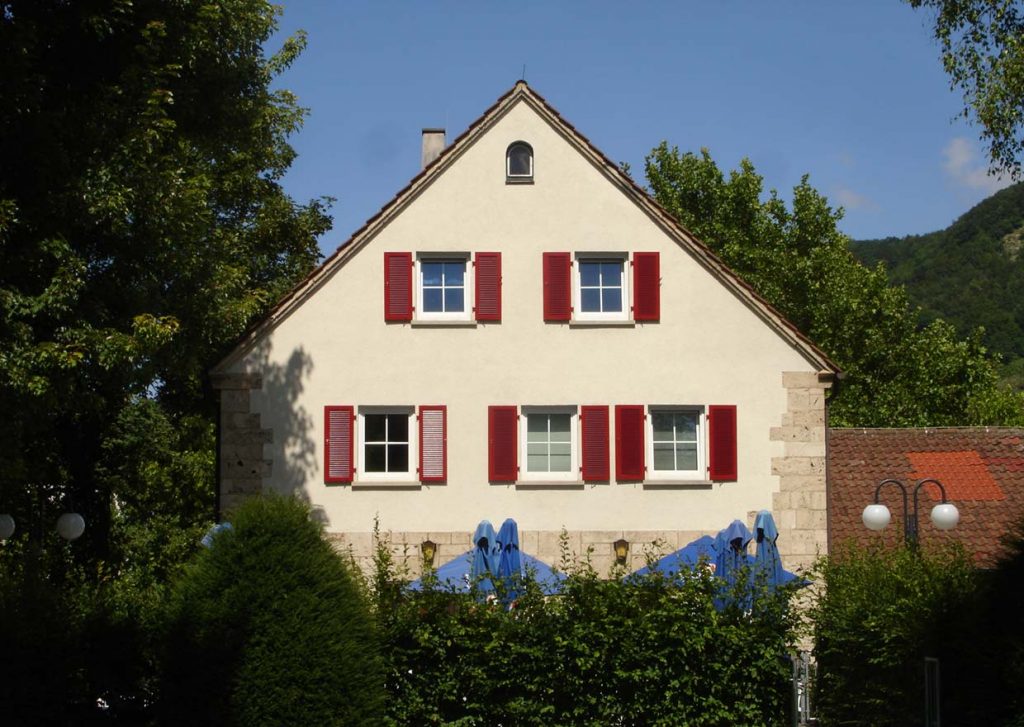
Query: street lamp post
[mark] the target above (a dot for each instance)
(945, 516)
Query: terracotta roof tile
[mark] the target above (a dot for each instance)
(982, 469)
(965, 475)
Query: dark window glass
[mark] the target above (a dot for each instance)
(398, 458)
(398, 428)
(520, 161)
(386, 445)
(376, 427)
(375, 458)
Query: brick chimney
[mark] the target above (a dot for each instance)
(433, 145)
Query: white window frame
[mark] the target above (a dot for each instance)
(525, 475)
(468, 294)
(408, 475)
(577, 284)
(699, 474)
(509, 176)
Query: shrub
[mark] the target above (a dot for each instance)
(646, 651)
(882, 611)
(270, 626)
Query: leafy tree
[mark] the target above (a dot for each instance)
(142, 228)
(271, 626)
(897, 374)
(983, 54)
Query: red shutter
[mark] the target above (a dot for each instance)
(488, 286)
(557, 286)
(433, 443)
(629, 442)
(338, 443)
(502, 443)
(398, 286)
(722, 442)
(594, 426)
(646, 286)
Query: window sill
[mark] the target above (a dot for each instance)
(601, 324)
(443, 324)
(548, 484)
(387, 485)
(679, 484)
(518, 180)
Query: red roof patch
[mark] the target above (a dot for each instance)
(964, 475)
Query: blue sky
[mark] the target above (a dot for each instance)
(852, 94)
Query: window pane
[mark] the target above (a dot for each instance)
(663, 456)
(560, 448)
(398, 428)
(374, 458)
(686, 427)
(398, 458)
(612, 300)
(590, 300)
(519, 161)
(686, 456)
(374, 425)
(454, 273)
(662, 424)
(560, 462)
(453, 300)
(432, 272)
(611, 274)
(432, 300)
(560, 424)
(590, 273)
(537, 462)
(536, 428)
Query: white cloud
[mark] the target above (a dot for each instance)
(853, 200)
(964, 167)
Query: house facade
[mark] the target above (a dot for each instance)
(522, 332)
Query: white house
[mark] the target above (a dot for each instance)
(522, 332)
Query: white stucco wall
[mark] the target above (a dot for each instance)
(708, 348)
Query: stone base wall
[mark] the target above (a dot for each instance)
(242, 464)
(546, 545)
(800, 506)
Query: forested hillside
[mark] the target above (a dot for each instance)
(971, 273)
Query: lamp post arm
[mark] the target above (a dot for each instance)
(909, 519)
(903, 490)
(922, 483)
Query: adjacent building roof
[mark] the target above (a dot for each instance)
(982, 469)
(522, 93)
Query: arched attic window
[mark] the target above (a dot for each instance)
(519, 162)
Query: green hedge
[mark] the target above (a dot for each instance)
(602, 652)
(883, 610)
(269, 626)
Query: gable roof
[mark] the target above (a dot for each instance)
(982, 469)
(522, 93)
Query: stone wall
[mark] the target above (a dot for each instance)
(800, 505)
(242, 464)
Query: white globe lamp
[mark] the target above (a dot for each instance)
(945, 516)
(70, 525)
(6, 526)
(876, 516)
